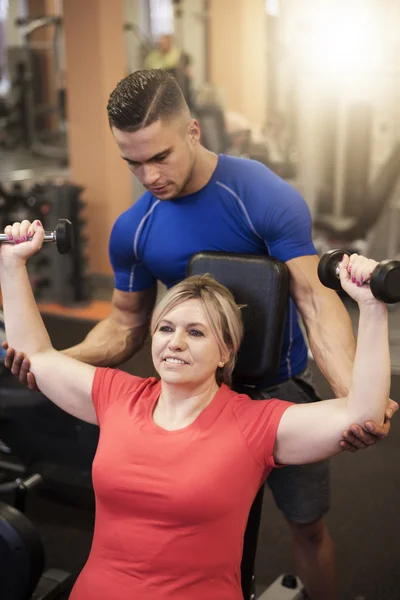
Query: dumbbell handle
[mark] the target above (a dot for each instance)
(49, 236)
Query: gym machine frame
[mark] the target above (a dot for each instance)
(28, 26)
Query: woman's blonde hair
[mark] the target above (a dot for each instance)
(221, 310)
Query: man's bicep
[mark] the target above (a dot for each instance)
(130, 272)
(304, 274)
(133, 309)
(305, 287)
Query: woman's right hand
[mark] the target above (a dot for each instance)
(20, 233)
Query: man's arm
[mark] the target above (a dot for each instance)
(327, 322)
(121, 334)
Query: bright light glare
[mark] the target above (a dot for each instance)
(272, 7)
(343, 38)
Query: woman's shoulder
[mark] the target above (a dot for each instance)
(247, 408)
(115, 383)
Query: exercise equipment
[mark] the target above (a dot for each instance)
(261, 285)
(22, 561)
(54, 276)
(384, 282)
(14, 204)
(21, 550)
(48, 143)
(62, 236)
(3, 370)
(21, 555)
(285, 587)
(349, 228)
(13, 122)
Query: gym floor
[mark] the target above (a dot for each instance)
(363, 520)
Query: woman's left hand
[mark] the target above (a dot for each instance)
(26, 239)
(355, 274)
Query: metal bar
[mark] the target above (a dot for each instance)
(31, 25)
(49, 236)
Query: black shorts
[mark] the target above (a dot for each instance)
(301, 492)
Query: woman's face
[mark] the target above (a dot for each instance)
(184, 349)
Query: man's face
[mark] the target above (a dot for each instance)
(161, 155)
(164, 44)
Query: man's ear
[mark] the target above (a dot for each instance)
(194, 131)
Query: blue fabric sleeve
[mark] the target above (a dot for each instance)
(130, 274)
(282, 217)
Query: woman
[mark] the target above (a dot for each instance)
(180, 460)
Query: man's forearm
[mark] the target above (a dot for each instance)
(332, 342)
(108, 344)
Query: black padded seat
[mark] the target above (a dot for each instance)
(261, 283)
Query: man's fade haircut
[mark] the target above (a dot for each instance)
(144, 97)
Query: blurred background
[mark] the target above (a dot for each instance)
(310, 88)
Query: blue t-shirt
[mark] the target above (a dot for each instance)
(244, 208)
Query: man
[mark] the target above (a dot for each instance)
(168, 57)
(164, 56)
(196, 200)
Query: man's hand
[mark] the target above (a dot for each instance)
(19, 366)
(359, 438)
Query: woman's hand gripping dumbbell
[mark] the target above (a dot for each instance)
(383, 278)
(18, 233)
(353, 276)
(370, 284)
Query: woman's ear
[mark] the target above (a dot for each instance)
(224, 359)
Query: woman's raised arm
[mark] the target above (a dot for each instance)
(312, 432)
(65, 381)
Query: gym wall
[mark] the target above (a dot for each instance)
(96, 59)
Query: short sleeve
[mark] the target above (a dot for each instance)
(289, 226)
(130, 274)
(280, 214)
(110, 385)
(258, 422)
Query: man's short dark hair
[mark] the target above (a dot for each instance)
(144, 97)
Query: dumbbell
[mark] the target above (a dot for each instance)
(62, 236)
(384, 282)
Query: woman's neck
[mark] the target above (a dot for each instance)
(178, 406)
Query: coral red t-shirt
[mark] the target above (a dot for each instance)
(172, 506)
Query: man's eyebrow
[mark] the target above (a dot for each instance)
(158, 155)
